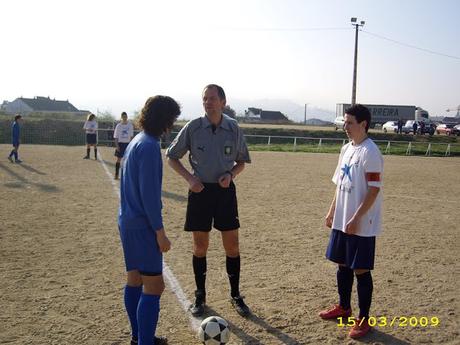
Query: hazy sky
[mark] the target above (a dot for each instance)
(112, 55)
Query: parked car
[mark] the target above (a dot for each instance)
(429, 128)
(339, 122)
(456, 130)
(390, 126)
(408, 127)
(445, 128)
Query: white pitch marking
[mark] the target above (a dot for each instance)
(167, 273)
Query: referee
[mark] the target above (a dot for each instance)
(217, 154)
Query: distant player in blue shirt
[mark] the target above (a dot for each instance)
(140, 221)
(15, 135)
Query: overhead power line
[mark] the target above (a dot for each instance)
(282, 29)
(341, 28)
(411, 46)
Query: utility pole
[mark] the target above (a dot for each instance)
(305, 115)
(355, 23)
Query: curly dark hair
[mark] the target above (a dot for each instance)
(158, 115)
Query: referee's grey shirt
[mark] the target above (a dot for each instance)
(212, 153)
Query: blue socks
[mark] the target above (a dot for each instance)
(147, 318)
(132, 296)
(365, 287)
(345, 278)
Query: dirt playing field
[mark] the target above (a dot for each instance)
(62, 271)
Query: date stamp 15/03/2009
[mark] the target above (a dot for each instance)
(395, 321)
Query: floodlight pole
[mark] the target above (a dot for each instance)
(355, 65)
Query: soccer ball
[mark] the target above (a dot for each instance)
(214, 331)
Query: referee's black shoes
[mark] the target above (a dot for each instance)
(239, 305)
(197, 308)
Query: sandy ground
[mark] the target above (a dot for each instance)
(62, 271)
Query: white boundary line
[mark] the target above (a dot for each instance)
(167, 273)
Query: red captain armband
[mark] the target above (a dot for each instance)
(373, 177)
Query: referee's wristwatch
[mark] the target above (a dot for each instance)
(231, 174)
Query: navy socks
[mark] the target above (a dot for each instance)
(365, 287)
(345, 278)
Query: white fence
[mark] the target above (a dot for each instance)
(299, 143)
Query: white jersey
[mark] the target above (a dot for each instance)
(359, 167)
(124, 132)
(90, 127)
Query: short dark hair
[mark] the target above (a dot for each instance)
(90, 117)
(361, 113)
(220, 90)
(124, 114)
(158, 115)
(17, 117)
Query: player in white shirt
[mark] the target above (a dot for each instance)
(124, 132)
(90, 128)
(355, 219)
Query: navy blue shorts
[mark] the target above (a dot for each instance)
(120, 153)
(141, 251)
(214, 205)
(91, 139)
(355, 252)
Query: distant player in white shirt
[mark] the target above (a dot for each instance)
(90, 128)
(124, 132)
(355, 219)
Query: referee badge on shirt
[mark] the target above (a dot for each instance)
(227, 150)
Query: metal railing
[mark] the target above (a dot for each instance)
(67, 133)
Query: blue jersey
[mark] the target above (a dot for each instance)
(15, 133)
(140, 186)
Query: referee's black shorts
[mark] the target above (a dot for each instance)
(213, 206)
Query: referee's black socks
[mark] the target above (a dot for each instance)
(95, 152)
(200, 268)
(233, 271)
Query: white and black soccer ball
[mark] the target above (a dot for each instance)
(214, 331)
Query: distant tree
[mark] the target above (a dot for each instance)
(229, 111)
(105, 115)
(136, 114)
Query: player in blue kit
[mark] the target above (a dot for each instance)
(15, 136)
(140, 219)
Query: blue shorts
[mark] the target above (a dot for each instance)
(353, 251)
(16, 143)
(141, 251)
(120, 153)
